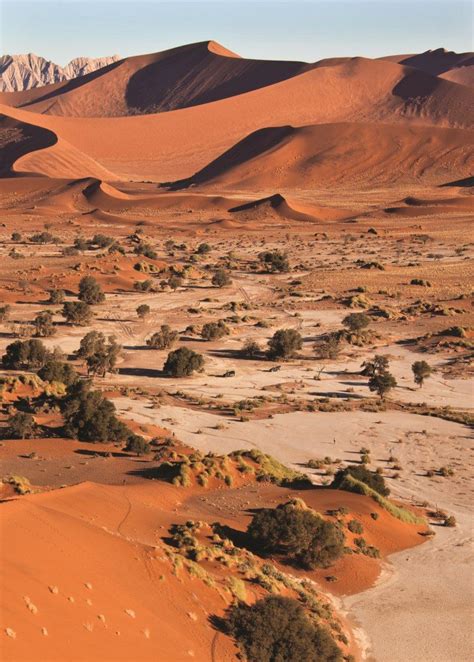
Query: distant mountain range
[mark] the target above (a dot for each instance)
(23, 72)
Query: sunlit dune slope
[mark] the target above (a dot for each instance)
(345, 153)
(178, 78)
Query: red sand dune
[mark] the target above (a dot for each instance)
(29, 149)
(356, 154)
(178, 78)
(436, 62)
(174, 144)
(94, 585)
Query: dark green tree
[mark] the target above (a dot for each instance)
(183, 362)
(284, 344)
(90, 291)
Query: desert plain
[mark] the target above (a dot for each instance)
(231, 199)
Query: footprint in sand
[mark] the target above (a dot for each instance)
(10, 633)
(29, 605)
(88, 585)
(53, 589)
(130, 613)
(71, 599)
(88, 626)
(44, 632)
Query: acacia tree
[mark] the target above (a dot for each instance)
(355, 322)
(99, 355)
(183, 362)
(163, 339)
(89, 416)
(25, 355)
(421, 371)
(376, 366)
(43, 323)
(90, 291)
(382, 383)
(284, 344)
(77, 313)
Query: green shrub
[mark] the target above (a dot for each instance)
(163, 339)
(21, 426)
(89, 416)
(274, 261)
(25, 355)
(221, 278)
(90, 291)
(355, 526)
(284, 344)
(137, 444)
(276, 629)
(77, 313)
(370, 478)
(214, 330)
(57, 371)
(183, 362)
(298, 533)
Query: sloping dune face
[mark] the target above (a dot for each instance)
(82, 583)
(325, 154)
(29, 149)
(182, 77)
(165, 116)
(171, 145)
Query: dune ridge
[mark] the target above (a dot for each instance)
(339, 153)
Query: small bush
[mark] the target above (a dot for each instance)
(355, 526)
(143, 310)
(77, 313)
(214, 330)
(138, 445)
(276, 629)
(274, 261)
(221, 278)
(298, 533)
(356, 321)
(251, 349)
(56, 296)
(370, 478)
(163, 339)
(21, 426)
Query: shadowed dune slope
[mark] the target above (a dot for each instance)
(178, 78)
(435, 62)
(344, 153)
(172, 145)
(29, 149)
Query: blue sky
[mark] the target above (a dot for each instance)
(298, 30)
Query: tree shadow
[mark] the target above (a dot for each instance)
(90, 453)
(142, 372)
